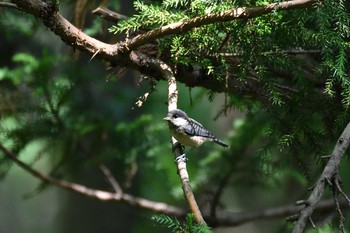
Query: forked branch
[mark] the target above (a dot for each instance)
(228, 220)
(94, 193)
(327, 175)
(224, 16)
(74, 37)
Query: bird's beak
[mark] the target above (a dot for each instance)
(166, 118)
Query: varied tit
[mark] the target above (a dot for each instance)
(188, 131)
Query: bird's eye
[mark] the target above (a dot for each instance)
(175, 116)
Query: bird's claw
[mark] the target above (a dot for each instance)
(181, 157)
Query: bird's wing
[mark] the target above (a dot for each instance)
(194, 128)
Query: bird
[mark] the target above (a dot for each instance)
(188, 131)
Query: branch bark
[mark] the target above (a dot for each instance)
(140, 59)
(69, 34)
(109, 15)
(123, 52)
(9, 5)
(115, 52)
(329, 171)
(181, 163)
(225, 16)
(237, 219)
(119, 54)
(228, 220)
(97, 194)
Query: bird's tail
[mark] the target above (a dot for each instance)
(221, 143)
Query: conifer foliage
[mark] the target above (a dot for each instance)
(282, 64)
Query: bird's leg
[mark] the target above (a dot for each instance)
(183, 156)
(176, 145)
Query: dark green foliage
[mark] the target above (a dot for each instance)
(299, 110)
(291, 80)
(174, 225)
(259, 45)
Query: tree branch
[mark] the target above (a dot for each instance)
(8, 5)
(119, 54)
(166, 72)
(155, 68)
(287, 52)
(69, 34)
(237, 219)
(109, 15)
(216, 198)
(177, 148)
(114, 52)
(228, 220)
(97, 194)
(110, 178)
(329, 171)
(224, 16)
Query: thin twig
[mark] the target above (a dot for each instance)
(329, 171)
(286, 52)
(312, 222)
(109, 15)
(337, 206)
(339, 189)
(218, 193)
(336, 190)
(111, 179)
(8, 5)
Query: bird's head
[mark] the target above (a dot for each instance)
(176, 117)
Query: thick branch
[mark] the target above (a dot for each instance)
(70, 34)
(118, 54)
(329, 171)
(111, 52)
(225, 16)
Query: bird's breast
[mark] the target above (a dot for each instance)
(187, 140)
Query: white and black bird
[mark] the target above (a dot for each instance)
(188, 131)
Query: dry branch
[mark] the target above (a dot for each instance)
(225, 16)
(116, 52)
(181, 163)
(123, 52)
(329, 171)
(236, 219)
(119, 54)
(94, 193)
(233, 219)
